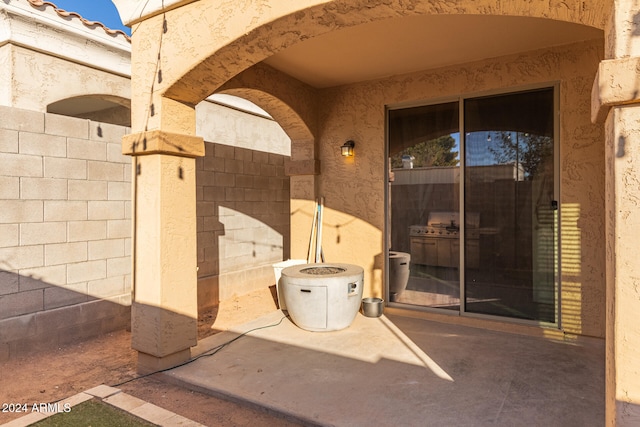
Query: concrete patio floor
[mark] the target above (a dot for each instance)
(402, 371)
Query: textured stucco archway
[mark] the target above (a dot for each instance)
(188, 52)
(290, 102)
(313, 18)
(214, 44)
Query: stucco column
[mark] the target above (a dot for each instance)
(616, 102)
(623, 266)
(164, 308)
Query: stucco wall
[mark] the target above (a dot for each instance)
(354, 189)
(39, 80)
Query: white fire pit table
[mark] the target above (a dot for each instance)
(322, 297)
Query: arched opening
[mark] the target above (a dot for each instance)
(101, 108)
(243, 196)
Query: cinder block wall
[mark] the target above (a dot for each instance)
(65, 230)
(65, 220)
(242, 203)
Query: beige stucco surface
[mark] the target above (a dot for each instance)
(39, 80)
(165, 270)
(237, 38)
(356, 187)
(51, 58)
(623, 334)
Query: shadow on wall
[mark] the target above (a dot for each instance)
(36, 315)
(243, 220)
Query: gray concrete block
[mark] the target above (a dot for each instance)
(65, 253)
(8, 141)
(267, 170)
(104, 171)
(73, 127)
(48, 322)
(119, 191)
(9, 235)
(243, 154)
(20, 165)
(101, 309)
(17, 257)
(9, 282)
(12, 305)
(107, 132)
(79, 231)
(213, 193)
(22, 120)
(63, 296)
(103, 249)
(252, 168)
(55, 167)
(260, 156)
(41, 144)
(118, 228)
(224, 179)
(86, 271)
(245, 181)
(55, 210)
(86, 150)
(233, 166)
(224, 151)
(118, 266)
(9, 187)
(43, 188)
(88, 190)
(215, 164)
(42, 277)
(37, 233)
(100, 210)
(105, 288)
(79, 332)
(114, 154)
(18, 327)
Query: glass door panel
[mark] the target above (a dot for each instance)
(509, 186)
(424, 206)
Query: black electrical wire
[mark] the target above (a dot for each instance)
(205, 354)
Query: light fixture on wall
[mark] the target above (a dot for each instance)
(347, 148)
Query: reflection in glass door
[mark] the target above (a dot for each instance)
(424, 192)
(504, 220)
(509, 180)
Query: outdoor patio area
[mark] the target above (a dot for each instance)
(397, 370)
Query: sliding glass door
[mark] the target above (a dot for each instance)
(476, 174)
(424, 157)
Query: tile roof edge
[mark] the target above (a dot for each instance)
(89, 24)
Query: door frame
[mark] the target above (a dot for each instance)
(555, 85)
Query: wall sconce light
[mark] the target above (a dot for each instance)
(347, 149)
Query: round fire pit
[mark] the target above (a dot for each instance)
(322, 297)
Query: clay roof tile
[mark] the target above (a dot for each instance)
(65, 14)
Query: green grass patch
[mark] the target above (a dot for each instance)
(93, 413)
